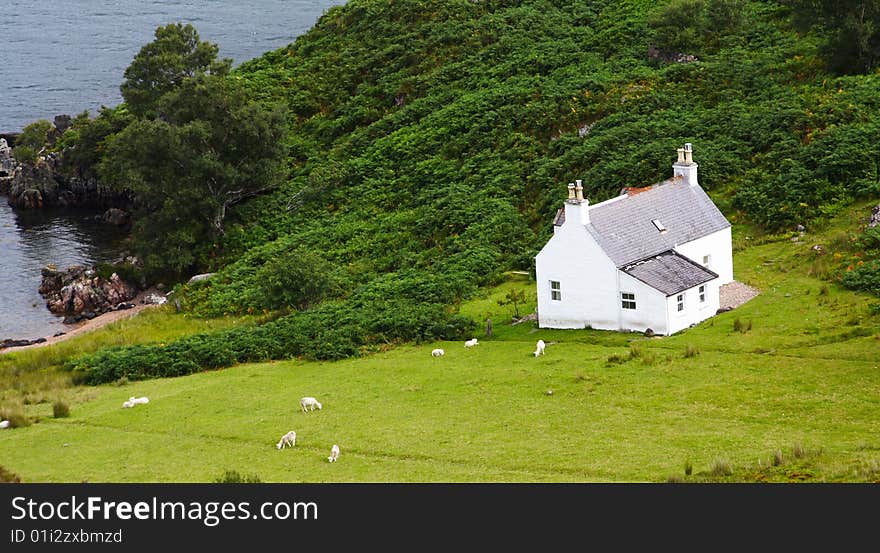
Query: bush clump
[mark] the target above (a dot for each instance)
(60, 409)
(329, 332)
(235, 477)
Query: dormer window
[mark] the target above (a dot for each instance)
(659, 225)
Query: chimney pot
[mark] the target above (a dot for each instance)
(579, 190)
(571, 191)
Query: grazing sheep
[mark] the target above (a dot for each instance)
(4, 424)
(539, 348)
(470, 343)
(438, 353)
(127, 404)
(309, 404)
(287, 440)
(139, 400)
(334, 453)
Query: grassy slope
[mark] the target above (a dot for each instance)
(804, 381)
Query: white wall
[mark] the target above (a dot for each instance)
(587, 276)
(650, 311)
(718, 246)
(694, 311)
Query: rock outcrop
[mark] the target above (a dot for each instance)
(50, 182)
(80, 293)
(7, 166)
(46, 184)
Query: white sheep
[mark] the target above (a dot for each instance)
(539, 348)
(438, 353)
(334, 453)
(127, 404)
(4, 424)
(470, 343)
(287, 440)
(309, 404)
(139, 400)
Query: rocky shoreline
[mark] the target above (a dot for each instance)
(49, 181)
(77, 293)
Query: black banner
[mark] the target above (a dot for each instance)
(616, 516)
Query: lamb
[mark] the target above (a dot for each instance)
(539, 348)
(309, 404)
(438, 353)
(287, 440)
(4, 424)
(334, 453)
(470, 343)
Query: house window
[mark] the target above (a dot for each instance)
(706, 261)
(702, 293)
(555, 290)
(627, 300)
(680, 300)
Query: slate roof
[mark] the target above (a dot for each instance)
(669, 272)
(622, 226)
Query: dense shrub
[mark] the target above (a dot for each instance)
(330, 331)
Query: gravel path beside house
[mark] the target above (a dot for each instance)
(733, 294)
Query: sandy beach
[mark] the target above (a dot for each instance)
(93, 324)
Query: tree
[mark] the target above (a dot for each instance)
(851, 28)
(161, 66)
(31, 140)
(298, 278)
(514, 298)
(212, 148)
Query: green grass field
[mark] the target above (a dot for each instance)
(795, 398)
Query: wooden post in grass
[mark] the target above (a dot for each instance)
(488, 327)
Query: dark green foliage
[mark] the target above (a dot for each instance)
(176, 54)
(32, 138)
(865, 277)
(851, 29)
(60, 409)
(84, 142)
(330, 331)
(212, 149)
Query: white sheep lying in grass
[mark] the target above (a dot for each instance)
(334, 453)
(309, 404)
(437, 353)
(4, 424)
(470, 343)
(539, 348)
(287, 440)
(132, 401)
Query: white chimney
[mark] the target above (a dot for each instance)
(685, 167)
(577, 208)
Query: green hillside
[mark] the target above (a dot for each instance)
(426, 147)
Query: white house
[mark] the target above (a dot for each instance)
(652, 257)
